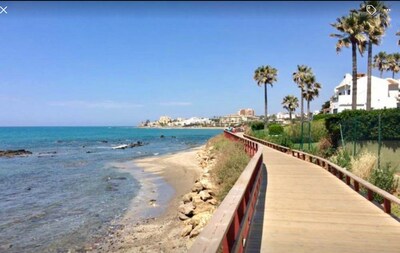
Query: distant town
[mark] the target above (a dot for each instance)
(241, 117)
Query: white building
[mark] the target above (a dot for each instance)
(384, 93)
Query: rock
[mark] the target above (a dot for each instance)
(152, 202)
(28, 189)
(13, 153)
(104, 141)
(212, 202)
(195, 232)
(88, 152)
(182, 216)
(196, 200)
(205, 183)
(204, 195)
(186, 209)
(162, 136)
(186, 230)
(187, 198)
(197, 187)
(203, 207)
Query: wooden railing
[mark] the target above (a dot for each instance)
(349, 178)
(230, 225)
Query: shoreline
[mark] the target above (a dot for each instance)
(151, 223)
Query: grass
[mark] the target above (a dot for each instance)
(231, 161)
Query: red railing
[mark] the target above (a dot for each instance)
(230, 225)
(344, 175)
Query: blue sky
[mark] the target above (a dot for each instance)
(103, 63)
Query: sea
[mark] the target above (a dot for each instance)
(67, 190)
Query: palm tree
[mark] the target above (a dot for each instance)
(290, 103)
(265, 75)
(380, 62)
(299, 78)
(310, 92)
(351, 30)
(374, 27)
(394, 63)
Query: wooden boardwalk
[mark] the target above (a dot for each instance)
(304, 208)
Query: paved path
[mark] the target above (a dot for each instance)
(304, 208)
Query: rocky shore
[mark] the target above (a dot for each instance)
(14, 153)
(196, 207)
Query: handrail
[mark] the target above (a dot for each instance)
(339, 172)
(230, 223)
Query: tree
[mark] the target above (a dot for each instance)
(290, 103)
(351, 30)
(374, 26)
(325, 106)
(394, 63)
(311, 91)
(265, 75)
(380, 62)
(299, 78)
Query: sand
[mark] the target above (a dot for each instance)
(151, 222)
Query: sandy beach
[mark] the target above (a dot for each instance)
(151, 222)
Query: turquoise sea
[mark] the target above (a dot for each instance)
(67, 191)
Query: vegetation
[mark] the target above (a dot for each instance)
(363, 125)
(275, 129)
(363, 164)
(290, 103)
(257, 125)
(265, 75)
(231, 161)
(384, 178)
(342, 158)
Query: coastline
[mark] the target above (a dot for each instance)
(180, 128)
(151, 223)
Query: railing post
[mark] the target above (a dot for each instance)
(370, 195)
(387, 206)
(356, 186)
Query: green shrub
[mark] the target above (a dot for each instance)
(363, 125)
(342, 158)
(384, 178)
(257, 125)
(318, 131)
(275, 129)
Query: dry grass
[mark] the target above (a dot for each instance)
(363, 165)
(231, 161)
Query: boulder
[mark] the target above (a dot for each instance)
(197, 187)
(13, 153)
(204, 195)
(187, 198)
(195, 232)
(186, 209)
(203, 207)
(182, 216)
(212, 202)
(186, 230)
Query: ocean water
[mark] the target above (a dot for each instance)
(66, 191)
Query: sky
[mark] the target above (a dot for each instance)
(120, 63)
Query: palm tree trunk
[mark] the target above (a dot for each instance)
(308, 110)
(265, 107)
(290, 114)
(354, 88)
(381, 73)
(393, 74)
(302, 118)
(369, 73)
(309, 125)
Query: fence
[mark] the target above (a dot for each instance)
(229, 227)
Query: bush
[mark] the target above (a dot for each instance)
(275, 129)
(282, 140)
(363, 165)
(318, 131)
(257, 125)
(325, 148)
(384, 178)
(363, 125)
(342, 158)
